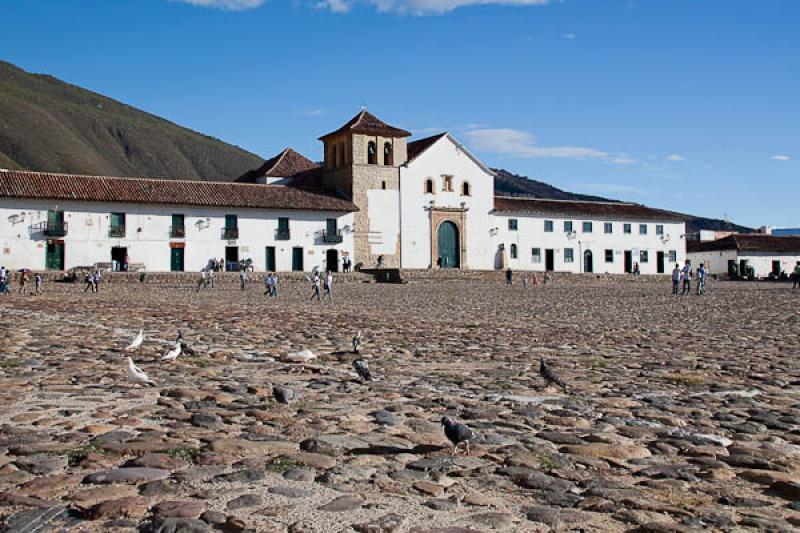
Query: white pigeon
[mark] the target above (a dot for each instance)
(137, 374)
(173, 353)
(303, 356)
(136, 342)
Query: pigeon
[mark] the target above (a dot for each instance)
(357, 342)
(137, 374)
(283, 395)
(549, 376)
(173, 353)
(185, 348)
(456, 433)
(136, 342)
(303, 356)
(362, 369)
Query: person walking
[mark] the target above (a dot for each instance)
(96, 280)
(201, 283)
(212, 279)
(268, 284)
(328, 286)
(274, 292)
(686, 276)
(23, 279)
(88, 282)
(243, 277)
(315, 288)
(509, 276)
(701, 279)
(37, 283)
(676, 278)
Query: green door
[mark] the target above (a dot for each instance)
(448, 245)
(297, 259)
(176, 259)
(270, 262)
(54, 256)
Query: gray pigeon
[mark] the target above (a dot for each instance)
(185, 348)
(549, 376)
(456, 433)
(283, 395)
(362, 369)
(357, 342)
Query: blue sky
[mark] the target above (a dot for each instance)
(689, 105)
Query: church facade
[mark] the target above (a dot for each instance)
(375, 198)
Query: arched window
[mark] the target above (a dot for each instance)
(372, 153)
(428, 186)
(388, 160)
(383, 185)
(513, 251)
(465, 189)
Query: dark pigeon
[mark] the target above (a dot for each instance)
(549, 376)
(456, 433)
(283, 395)
(185, 348)
(362, 369)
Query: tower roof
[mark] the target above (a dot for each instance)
(368, 124)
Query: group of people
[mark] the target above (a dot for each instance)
(271, 285)
(682, 278)
(91, 281)
(7, 278)
(327, 286)
(533, 279)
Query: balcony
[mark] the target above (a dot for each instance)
(230, 234)
(116, 232)
(332, 237)
(50, 229)
(282, 234)
(177, 232)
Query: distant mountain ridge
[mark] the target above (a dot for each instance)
(508, 184)
(49, 125)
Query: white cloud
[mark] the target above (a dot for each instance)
(675, 157)
(611, 188)
(569, 36)
(421, 7)
(518, 143)
(781, 157)
(312, 112)
(230, 5)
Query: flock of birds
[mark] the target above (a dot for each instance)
(456, 432)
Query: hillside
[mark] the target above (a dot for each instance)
(509, 184)
(49, 125)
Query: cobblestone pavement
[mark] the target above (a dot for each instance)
(681, 413)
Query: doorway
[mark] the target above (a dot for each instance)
(119, 259)
(588, 262)
(776, 268)
(660, 262)
(628, 261)
(332, 260)
(269, 264)
(54, 255)
(743, 268)
(448, 245)
(176, 259)
(231, 258)
(297, 259)
(549, 260)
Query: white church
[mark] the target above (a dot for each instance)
(376, 197)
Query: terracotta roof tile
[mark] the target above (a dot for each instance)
(749, 243)
(367, 123)
(286, 164)
(44, 185)
(572, 208)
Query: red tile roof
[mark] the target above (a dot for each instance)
(286, 164)
(368, 124)
(749, 243)
(573, 208)
(415, 148)
(50, 186)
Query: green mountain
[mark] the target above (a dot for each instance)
(49, 125)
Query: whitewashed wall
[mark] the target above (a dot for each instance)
(384, 221)
(530, 234)
(761, 262)
(87, 241)
(445, 157)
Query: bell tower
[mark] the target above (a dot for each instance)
(362, 161)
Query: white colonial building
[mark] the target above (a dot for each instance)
(414, 205)
(734, 255)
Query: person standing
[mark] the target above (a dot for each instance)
(243, 277)
(315, 287)
(268, 284)
(686, 276)
(328, 286)
(201, 283)
(274, 293)
(509, 276)
(23, 279)
(212, 278)
(796, 276)
(2, 280)
(701, 279)
(676, 278)
(37, 283)
(88, 282)
(96, 280)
